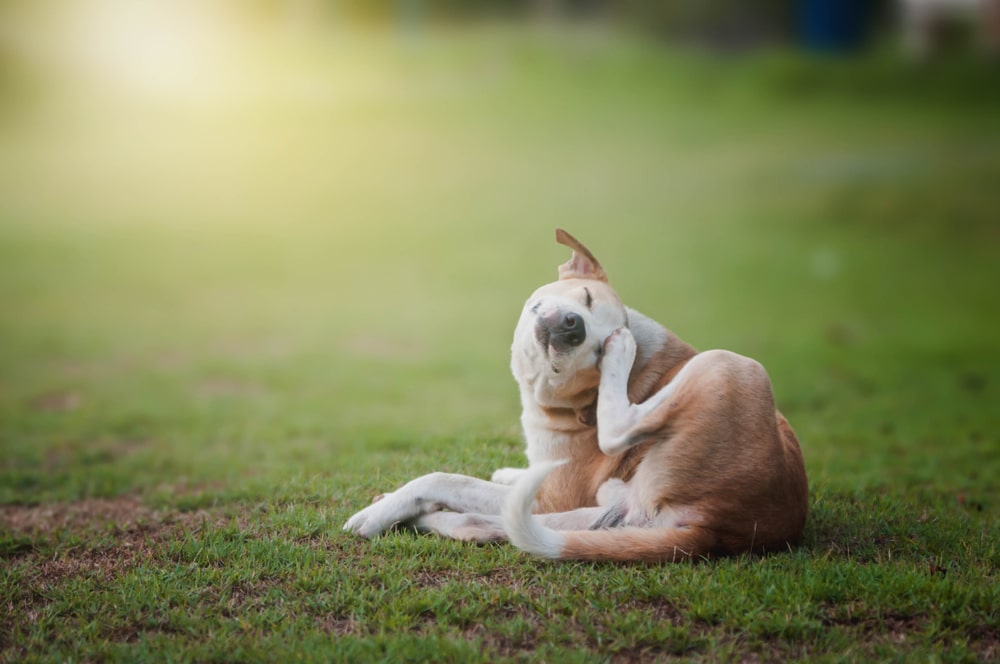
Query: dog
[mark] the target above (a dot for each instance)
(639, 448)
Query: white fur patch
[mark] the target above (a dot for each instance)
(524, 530)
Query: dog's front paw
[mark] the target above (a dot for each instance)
(619, 350)
(386, 511)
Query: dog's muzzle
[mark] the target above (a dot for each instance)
(560, 330)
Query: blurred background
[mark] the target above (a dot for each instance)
(255, 234)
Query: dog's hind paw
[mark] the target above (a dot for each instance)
(620, 347)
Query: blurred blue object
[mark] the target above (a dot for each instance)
(832, 25)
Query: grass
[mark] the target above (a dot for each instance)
(224, 329)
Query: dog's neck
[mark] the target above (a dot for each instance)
(554, 433)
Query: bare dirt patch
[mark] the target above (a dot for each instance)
(339, 626)
(985, 642)
(56, 402)
(86, 515)
(98, 539)
(95, 537)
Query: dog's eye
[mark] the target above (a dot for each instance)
(590, 299)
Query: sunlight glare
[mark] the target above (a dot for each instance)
(155, 48)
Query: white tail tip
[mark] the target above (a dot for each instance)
(525, 531)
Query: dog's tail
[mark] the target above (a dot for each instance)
(617, 544)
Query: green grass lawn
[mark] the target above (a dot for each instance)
(226, 326)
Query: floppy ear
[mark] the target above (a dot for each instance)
(582, 265)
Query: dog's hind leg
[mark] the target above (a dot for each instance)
(578, 519)
(616, 415)
(459, 526)
(489, 528)
(711, 376)
(430, 493)
(507, 475)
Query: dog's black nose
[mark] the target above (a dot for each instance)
(570, 330)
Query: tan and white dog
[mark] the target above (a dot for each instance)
(639, 447)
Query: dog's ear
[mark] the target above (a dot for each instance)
(582, 265)
(587, 416)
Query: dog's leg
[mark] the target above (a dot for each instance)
(620, 422)
(489, 528)
(582, 518)
(617, 417)
(507, 475)
(466, 527)
(430, 493)
(622, 425)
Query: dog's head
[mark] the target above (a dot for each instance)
(560, 336)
